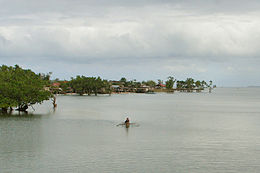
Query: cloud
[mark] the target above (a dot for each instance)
(158, 37)
(133, 35)
(79, 6)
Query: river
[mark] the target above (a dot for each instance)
(181, 132)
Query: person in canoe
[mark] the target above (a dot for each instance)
(127, 122)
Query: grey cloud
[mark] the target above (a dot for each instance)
(75, 6)
(2, 41)
(199, 38)
(131, 41)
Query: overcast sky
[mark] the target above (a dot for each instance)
(215, 40)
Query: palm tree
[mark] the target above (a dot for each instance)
(170, 82)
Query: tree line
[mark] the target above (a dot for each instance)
(189, 83)
(21, 88)
(92, 85)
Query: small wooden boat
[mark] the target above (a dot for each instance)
(127, 125)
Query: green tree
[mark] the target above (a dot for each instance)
(21, 88)
(65, 86)
(90, 85)
(97, 85)
(189, 84)
(150, 83)
(204, 84)
(107, 87)
(123, 80)
(78, 84)
(137, 84)
(46, 77)
(180, 84)
(198, 84)
(210, 86)
(160, 81)
(170, 82)
(210, 83)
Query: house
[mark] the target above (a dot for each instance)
(116, 88)
(56, 84)
(55, 88)
(160, 86)
(143, 89)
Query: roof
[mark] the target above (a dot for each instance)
(56, 84)
(161, 85)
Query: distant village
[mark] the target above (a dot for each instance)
(124, 86)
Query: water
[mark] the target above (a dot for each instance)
(181, 132)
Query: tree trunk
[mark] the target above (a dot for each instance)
(4, 110)
(22, 108)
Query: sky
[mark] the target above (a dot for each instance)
(216, 40)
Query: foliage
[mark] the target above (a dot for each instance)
(89, 85)
(149, 83)
(46, 77)
(21, 88)
(160, 81)
(123, 79)
(210, 83)
(190, 84)
(170, 82)
(65, 86)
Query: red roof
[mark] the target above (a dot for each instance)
(56, 84)
(162, 85)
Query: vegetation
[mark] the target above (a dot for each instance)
(149, 83)
(190, 84)
(89, 85)
(21, 88)
(170, 82)
(125, 83)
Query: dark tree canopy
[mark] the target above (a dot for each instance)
(149, 83)
(21, 88)
(88, 85)
(190, 84)
(170, 82)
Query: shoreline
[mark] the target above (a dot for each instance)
(154, 92)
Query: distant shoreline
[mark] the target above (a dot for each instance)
(154, 92)
(253, 87)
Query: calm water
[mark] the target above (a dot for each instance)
(181, 132)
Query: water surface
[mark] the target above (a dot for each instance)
(180, 132)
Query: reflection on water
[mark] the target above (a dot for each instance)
(180, 132)
(127, 129)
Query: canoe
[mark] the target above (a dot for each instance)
(127, 125)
